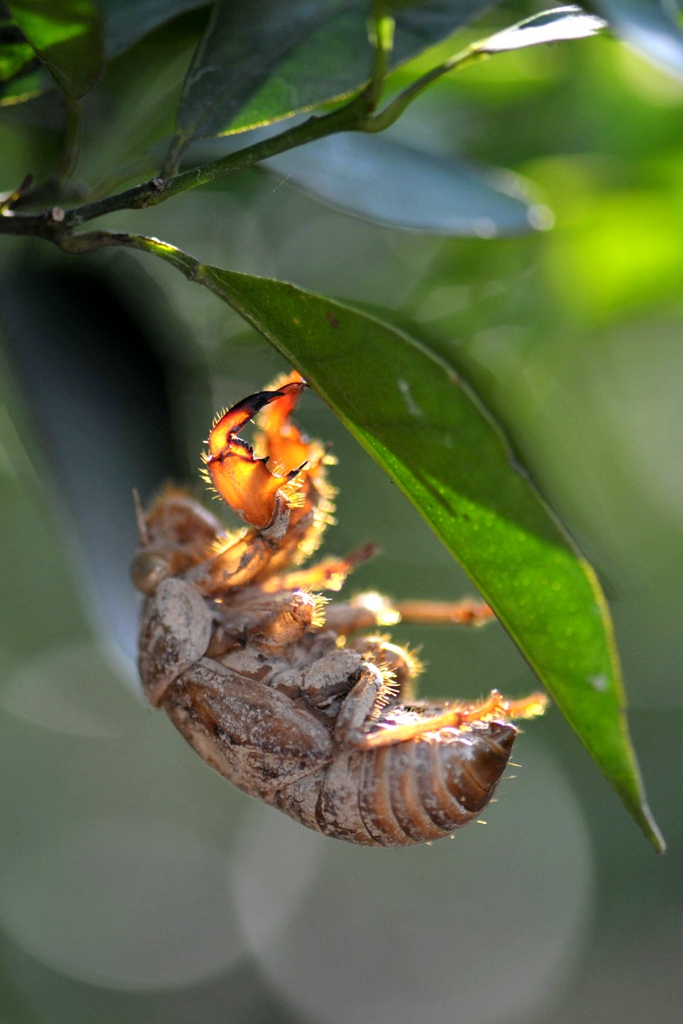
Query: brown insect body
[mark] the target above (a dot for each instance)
(286, 697)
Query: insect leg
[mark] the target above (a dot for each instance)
(328, 574)
(234, 566)
(224, 431)
(466, 612)
(368, 696)
(286, 625)
(402, 664)
(242, 480)
(287, 445)
(368, 610)
(330, 677)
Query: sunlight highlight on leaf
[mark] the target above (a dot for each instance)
(426, 428)
(66, 36)
(553, 26)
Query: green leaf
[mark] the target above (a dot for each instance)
(66, 36)
(15, 52)
(554, 26)
(650, 27)
(127, 21)
(267, 59)
(395, 185)
(25, 87)
(429, 432)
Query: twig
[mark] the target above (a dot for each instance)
(57, 225)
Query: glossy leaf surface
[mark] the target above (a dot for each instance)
(261, 61)
(430, 433)
(398, 186)
(552, 26)
(66, 36)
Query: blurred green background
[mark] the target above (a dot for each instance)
(136, 886)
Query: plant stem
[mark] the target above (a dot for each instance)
(56, 224)
(381, 28)
(398, 105)
(351, 117)
(92, 241)
(173, 157)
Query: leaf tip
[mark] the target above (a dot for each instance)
(644, 818)
(652, 831)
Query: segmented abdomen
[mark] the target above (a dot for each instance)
(408, 793)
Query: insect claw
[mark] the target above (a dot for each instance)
(244, 481)
(224, 432)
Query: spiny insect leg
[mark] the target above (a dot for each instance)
(224, 431)
(286, 444)
(285, 626)
(402, 664)
(371, 692)
(371, 609)
(367, 696)
(242, 480)
(328, 574)
(234, 566)
(347, 617)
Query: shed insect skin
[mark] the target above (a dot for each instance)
(304, 704)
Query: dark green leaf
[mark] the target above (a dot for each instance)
(401, 187)
(650, 27)
(126, 21)
(15, 53)
(265, 60)
(426, 428)
(25, 87)
(66, 36)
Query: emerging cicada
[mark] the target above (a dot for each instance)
(296, 701)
